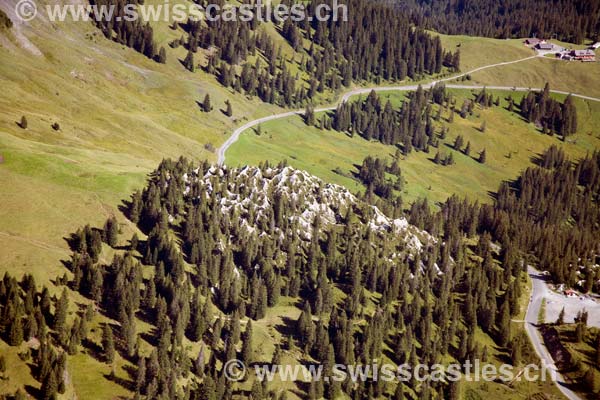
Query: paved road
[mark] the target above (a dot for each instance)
(538, 292)
(236, 133)
(540, 288)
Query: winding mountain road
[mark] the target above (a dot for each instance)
(538, 293)
(346, 96)
(539, 289)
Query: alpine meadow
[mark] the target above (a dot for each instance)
(289, 200)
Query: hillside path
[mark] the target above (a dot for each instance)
(538, 293)
(539, 288)
(346, 96)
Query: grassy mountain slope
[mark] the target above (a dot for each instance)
(119, 115)
(321, 152)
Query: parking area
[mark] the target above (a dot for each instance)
(572, 305)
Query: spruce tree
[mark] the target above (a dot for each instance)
(49, 388)
(60, 318)
(516, 353)
(580, 332)
(206, 106)
(162, 55)
(247, 351)
(208, 389)
(504, 324)
(458, 142)
(15, 331)
(188, 62)
(111, 231)
(228, 109)
(108, 344)
(482, 157)
(140, 380)
(309, 115)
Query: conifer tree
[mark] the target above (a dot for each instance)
(162, 55)
(309, 115)
(60, 318)
(228, 109)
(468, 149)
(140, 380)
(504, 324)
(108, 344)
(482, 157)
(49, 388)
(188, 62)
(458, 142)
(247, 351)
(111, 231)
(579, 332)
(208, 389)
(206, 106)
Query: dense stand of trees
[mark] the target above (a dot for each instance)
(417, 123)
(134, 34)
(411, 126)
(552, 116)
(224, 246)
(213, 272)
(567, 20)
(373, 173)
(550, 213)
(377, 42)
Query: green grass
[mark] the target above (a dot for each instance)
(119, 114)
(573, 76)
(477, 52)
(583, 356)
(321, 152)
(310, 149)
(14, 378)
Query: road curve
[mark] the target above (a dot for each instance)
(538, 292)
(238, 131)
(539, 287)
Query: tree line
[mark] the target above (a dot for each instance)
(416, 124)
(571, 21)
(332, 54)
(209, 265)
(552, 116)
(133, 34)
